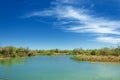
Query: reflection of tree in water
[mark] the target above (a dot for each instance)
(13, 61)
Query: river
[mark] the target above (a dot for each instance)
(56, 68)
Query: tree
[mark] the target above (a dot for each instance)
(21, 51)
(118, 52)
(0, 49)
(105, 51)
(5, 51)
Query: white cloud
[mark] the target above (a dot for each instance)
(41, 13)
(112, 40)
(59, 2)
(77, 19)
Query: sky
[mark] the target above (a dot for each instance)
(63, 24)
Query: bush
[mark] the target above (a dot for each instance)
(1, 55)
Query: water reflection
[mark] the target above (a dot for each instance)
(13, 61)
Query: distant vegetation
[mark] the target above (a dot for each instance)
(10, 51)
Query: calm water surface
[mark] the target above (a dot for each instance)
(56, 68)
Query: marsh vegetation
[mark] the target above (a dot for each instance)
(103, 54)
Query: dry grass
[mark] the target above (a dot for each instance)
(97, 58)
(1, 58)
(4, 58)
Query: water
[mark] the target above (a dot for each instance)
(56, 68)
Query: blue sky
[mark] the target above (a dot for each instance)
(63, 24)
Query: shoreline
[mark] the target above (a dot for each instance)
(4, 58)
(91, 58)
(94, 58)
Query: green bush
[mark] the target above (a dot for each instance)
(1, 55)
(15, 54)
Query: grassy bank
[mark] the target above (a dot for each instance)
(94, 58)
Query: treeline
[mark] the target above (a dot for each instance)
(11, 51)
(102, 52)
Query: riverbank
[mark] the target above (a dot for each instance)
(105, 54)
(93, 58)
(1, 58)
(4, 58)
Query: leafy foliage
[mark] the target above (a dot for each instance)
(10, 51)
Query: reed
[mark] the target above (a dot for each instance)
(94, 58)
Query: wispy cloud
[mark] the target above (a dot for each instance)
(80, 20)
(113, 40)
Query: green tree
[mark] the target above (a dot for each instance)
(105, 51)
(21, 51)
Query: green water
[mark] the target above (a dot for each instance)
(56, 68)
